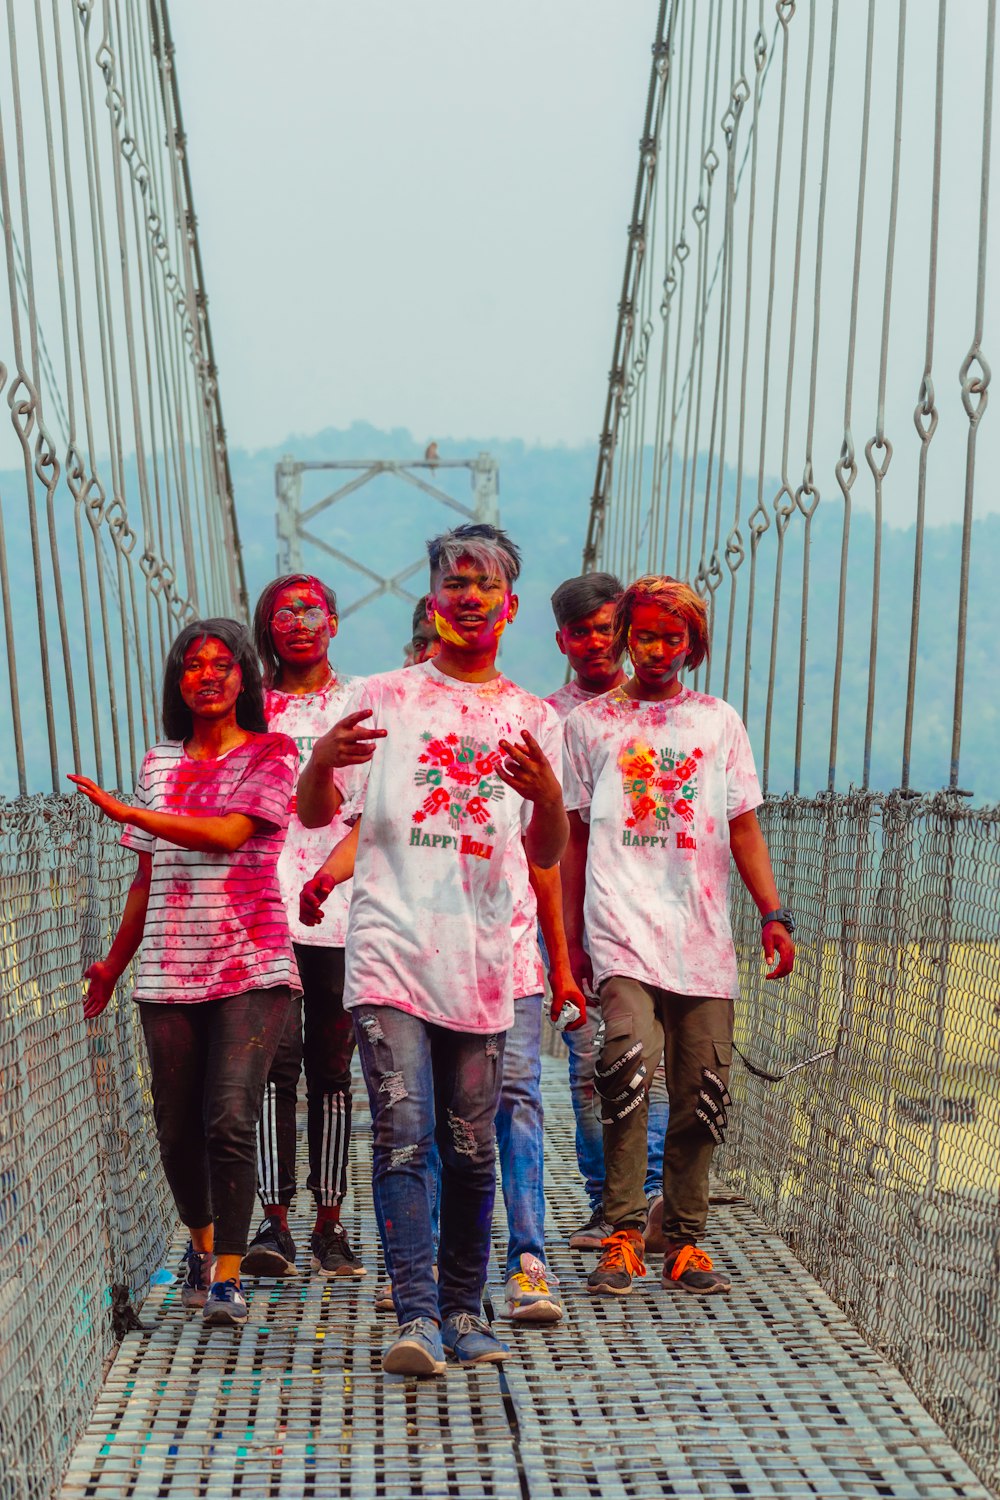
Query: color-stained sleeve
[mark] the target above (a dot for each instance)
(264, 792)
(578, 776)
(137, 838)
(743, 792)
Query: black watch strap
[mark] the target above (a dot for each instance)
(780, 914)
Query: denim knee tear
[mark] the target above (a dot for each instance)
(401, 1155)
(493, 1046)
(463, 1135)
(372, 1028)
(393, 1087)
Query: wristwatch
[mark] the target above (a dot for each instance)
(780, 914)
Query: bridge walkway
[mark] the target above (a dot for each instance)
(769, 1392)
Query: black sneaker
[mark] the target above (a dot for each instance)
(591, 1236)
(332, 1254)
(271, 1252)
(622, 1259)
(197, 1276)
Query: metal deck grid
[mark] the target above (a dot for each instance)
(768, 1392)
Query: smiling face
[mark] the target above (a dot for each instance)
(301, 626)
(586, 644)
(470, 609)
(210, 680)
(658, 643)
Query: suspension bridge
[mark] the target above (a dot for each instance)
(798, 394)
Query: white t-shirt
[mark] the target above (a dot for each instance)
(568, 697)
(430, 925)
(215, 923)
(529, 976)
(658, 784)
(304, 717)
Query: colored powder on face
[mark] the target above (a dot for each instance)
(503, 618)
(447, 632)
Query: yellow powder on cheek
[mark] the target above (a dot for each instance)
(446, 632)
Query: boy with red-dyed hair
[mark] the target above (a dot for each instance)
(660, 787)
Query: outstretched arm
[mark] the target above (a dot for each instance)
(105, 974)
(754, 864)
(574, 887)
(217, 835)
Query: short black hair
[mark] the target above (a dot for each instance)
(177, 722)
(577, 597)
(264, 610)
(420, 614)
(488, 546)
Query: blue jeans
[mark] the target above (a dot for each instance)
(589, 1131)
(427, 1084)
(520, 1138)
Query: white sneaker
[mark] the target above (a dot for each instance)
(530, 1295)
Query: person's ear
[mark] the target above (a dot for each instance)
(430, 607)
(512, 614)
(559, 642)
(334, 625)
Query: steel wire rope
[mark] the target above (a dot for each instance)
(974, 385)
(880, 443)
(847, 467)
(925, 415)
(784, 502)
(665, 164)
(642, 359)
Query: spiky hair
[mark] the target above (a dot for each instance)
(489, 548)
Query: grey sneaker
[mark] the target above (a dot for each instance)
(197, 1276)
(531, 1295)
(226, 1306)
(689, 1269)
(591, 1236)
(417, 1350)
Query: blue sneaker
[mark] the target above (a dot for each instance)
(417, 1350)
(197, 1276)
(225, 1306)
(470, 1341)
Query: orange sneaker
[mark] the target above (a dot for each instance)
(691, 1269)
(622, 1259)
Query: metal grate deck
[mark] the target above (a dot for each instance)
(768, 1392)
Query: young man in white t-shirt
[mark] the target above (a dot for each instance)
(295, 622)
(469, 767)
(661, 789)
(584, 610)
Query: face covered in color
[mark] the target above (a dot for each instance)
(301, 625)
(425, 643)
(210, 681)
(658, 643)
(586, 644)
(470, 609)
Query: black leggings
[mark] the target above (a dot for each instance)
(328, 1049)
(209, 1061)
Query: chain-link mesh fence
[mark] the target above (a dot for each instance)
(84, 1209)
(880, 1163)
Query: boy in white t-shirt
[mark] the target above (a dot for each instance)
(584, 610)
(295, 622)
(661, 789)
(469, 767)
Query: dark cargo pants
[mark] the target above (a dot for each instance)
(693, 1033)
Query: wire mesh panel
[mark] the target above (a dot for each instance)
(84, 1210)
(116, 510)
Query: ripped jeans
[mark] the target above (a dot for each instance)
(426, 1085)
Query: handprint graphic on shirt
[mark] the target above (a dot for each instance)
(658, 785)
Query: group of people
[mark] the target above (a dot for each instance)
(393, 864)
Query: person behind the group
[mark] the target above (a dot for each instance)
(424, 642)
(294, 624)
(584, 610)
(661, 787)
(217, 973)
(469, 767)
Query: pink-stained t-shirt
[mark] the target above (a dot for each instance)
(568, 697)
(304, 717)
(215, 923)
(431, 919)
(658, 784)
(529, 975)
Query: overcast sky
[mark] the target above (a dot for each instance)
(414, 215)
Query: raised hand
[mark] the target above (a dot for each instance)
(110, 806)
(349, 743)
(526, 769)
